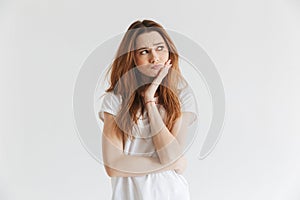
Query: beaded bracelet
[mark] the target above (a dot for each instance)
(149, 101)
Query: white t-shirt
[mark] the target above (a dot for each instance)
(154, 186)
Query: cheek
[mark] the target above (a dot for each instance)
(164, 56)
(140, 60)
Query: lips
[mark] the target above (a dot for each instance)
(156, 67)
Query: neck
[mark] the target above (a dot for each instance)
(143, 79)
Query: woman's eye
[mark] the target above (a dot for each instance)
(143, 52)
(160, 47)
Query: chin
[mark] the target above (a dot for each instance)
(148, 75)
(152, 75)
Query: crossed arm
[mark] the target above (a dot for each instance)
(118, 164)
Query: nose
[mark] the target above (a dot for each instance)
(154, 57)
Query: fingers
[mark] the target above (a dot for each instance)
(164, 70)
(168, 63)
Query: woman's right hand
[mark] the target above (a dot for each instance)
(163, 72)
(149, 93)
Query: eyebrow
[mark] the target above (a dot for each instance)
(153, 44)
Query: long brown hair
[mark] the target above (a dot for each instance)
(124, 79)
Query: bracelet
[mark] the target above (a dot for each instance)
(149, 101)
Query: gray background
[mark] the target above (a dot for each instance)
(254, 44)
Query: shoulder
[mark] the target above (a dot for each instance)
(186, 96)
(112, 97)
(110, 103)
(188, 103)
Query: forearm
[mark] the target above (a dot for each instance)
(167, 146)
(130, 165)
(150, 165)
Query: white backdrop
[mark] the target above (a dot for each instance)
(254, 44)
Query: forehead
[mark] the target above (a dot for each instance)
(148, 39)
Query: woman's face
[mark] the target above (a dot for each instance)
(150, 50)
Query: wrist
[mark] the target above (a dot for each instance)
(157, 81)
(152, 101)
(149, 98)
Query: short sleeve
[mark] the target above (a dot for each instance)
(188, 102)
(111, 104)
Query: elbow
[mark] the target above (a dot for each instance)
(109, 171)
(114, 173)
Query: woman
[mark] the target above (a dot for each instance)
(146, 112)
